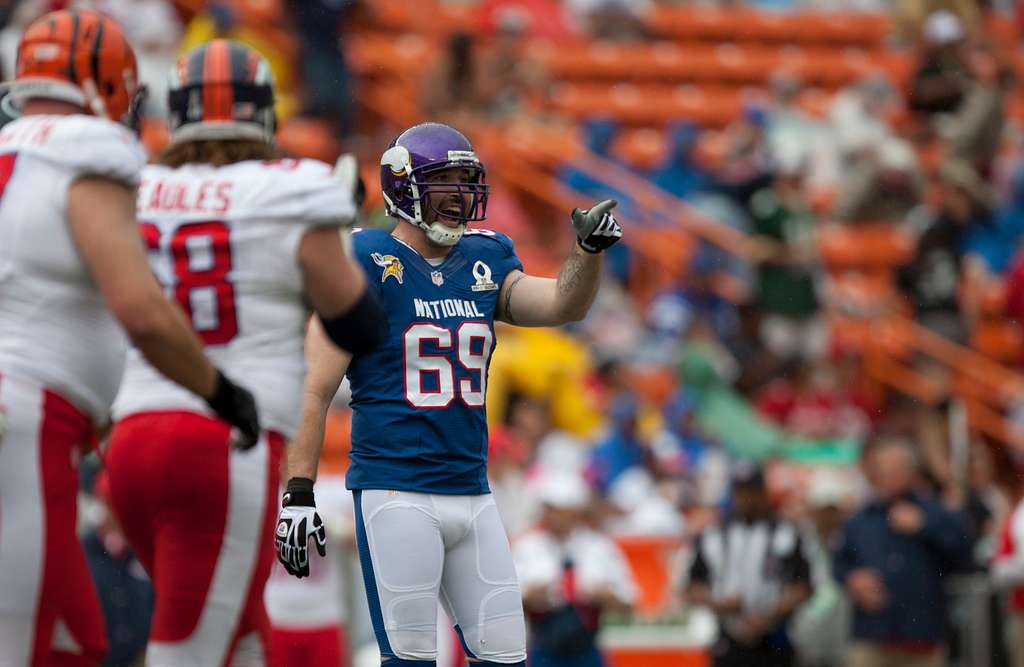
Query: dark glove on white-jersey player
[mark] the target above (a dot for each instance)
(296, 525)
(236, 406)
(596, 227)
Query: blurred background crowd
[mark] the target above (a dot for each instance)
(790, 430)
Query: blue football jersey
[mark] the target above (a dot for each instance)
(419, 422)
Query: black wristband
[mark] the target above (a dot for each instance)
(585, 249)
(299, 491)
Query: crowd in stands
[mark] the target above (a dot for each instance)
(727, 413)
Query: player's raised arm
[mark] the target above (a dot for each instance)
(298, 520)
(326, 366)
(531, 301)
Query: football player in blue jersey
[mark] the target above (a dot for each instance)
(427, 526)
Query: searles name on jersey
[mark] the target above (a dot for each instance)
(442, 308)
(208, 196)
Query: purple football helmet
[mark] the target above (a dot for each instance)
(414, 155)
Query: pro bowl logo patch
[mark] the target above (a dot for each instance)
(282, 529)
(392, 266)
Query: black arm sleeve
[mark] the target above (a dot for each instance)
(361, 328)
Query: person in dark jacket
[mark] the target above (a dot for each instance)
(893, 558)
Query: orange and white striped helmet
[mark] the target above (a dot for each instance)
(78, 56)
(221, 90)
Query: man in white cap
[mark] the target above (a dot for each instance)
(570, 574)
(939, 83)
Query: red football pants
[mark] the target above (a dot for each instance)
(200, 516)
(316, 647)
(49, 613)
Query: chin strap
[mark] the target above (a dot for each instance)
(442, 234)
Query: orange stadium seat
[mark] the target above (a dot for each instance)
(863, 246)
(651, 104)
(743, 24)
(726, 63)
(308, 137)
(1000, 340)
(380, 54)
(642, 148)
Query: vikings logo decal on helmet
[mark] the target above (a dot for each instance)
(392, 266)
(414, 155)
(221, 90)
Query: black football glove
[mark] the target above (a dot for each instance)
(236, 406)
(297, 523)
(596, 227)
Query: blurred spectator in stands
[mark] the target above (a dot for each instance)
(747, 165)
(543, 19)
(327, 82)
(962, 225)
(893, 559)
(511, 448)
(821, 628)
(15, 17)
(940, 81)
(810, 400)
(975, 131)
(154, 30)
(509, 75)
(784, 247)
(126, 596)
(450, 91)
(672, 312)
(623, 448)
(681, 448)
(858, 117)
(680, 174)
(1008, 563)
(611, 19)
(790, 126)
(570, 575)
(883, 185)
(752, 572)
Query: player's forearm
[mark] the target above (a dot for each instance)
(166, 340)
(577, 285)
(326, 366)
(304, 452)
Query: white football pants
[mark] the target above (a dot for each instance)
(417, 548)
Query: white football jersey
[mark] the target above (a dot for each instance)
(223, 242)
(55, 327)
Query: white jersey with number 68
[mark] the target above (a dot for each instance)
(223, 242)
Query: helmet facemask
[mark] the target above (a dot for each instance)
(411, 200)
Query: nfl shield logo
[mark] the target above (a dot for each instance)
(437, 278)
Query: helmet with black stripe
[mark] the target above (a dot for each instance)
(81, 57)
(221, 90)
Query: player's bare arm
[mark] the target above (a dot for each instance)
(326, 366)
(299, 520)
(101, 215)
(532, 301)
